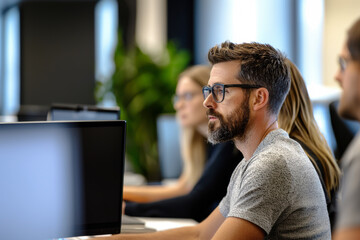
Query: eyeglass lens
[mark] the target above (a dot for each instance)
(217, 91)
(342, 63)
(187, 96)
(206, 91)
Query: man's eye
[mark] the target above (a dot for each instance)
(217, 91)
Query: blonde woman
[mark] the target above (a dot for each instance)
(207, 168)
(296, 117)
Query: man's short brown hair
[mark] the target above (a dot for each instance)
(260, 64)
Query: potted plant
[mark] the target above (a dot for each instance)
(143, 89)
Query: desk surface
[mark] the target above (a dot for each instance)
(148, 224)
(160, 224)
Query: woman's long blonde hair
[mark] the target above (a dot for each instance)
(193, 144)
(296, 117)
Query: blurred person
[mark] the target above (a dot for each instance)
(275, 192)
(296, 117)
(207, 168)
(348, 220)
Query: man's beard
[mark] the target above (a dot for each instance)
(233, 127)
(347, 107)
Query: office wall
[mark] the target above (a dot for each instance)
(339, 15)
(57, 52)
(243, 21)
(179, 15)
(151, 26)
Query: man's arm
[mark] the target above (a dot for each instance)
(204, 230)
(347, 234)
(237, 228)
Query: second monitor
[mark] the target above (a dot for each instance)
(63, 112)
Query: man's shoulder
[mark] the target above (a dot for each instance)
(278, 145)
(280, 153)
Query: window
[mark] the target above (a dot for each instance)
(11, 58)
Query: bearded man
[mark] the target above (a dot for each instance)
(275, 192)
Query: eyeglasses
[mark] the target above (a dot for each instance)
(342, 63)
(218, 90)
(187, 96)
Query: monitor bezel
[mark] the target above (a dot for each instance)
(90, 229)
(81, 107)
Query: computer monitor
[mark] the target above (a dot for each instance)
(61, 179)
(168, 133)
(61, 112)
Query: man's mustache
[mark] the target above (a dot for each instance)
(213, 113)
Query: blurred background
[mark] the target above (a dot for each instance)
(128, 53)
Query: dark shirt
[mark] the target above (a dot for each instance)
(206, 194)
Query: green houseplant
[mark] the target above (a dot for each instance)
(143, 89)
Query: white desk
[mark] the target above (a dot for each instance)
(149, 224)
(160, 224)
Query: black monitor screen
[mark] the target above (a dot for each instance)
(61, 179)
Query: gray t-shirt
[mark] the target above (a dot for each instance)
(349, 194)
(279, 190)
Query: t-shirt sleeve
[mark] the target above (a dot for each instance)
(224, 205)
(262, 194)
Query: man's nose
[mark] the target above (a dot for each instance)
(209, 102)
(338, 77)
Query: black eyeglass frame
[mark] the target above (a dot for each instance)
(224, 86)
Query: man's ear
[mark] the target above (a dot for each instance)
(260, 98)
